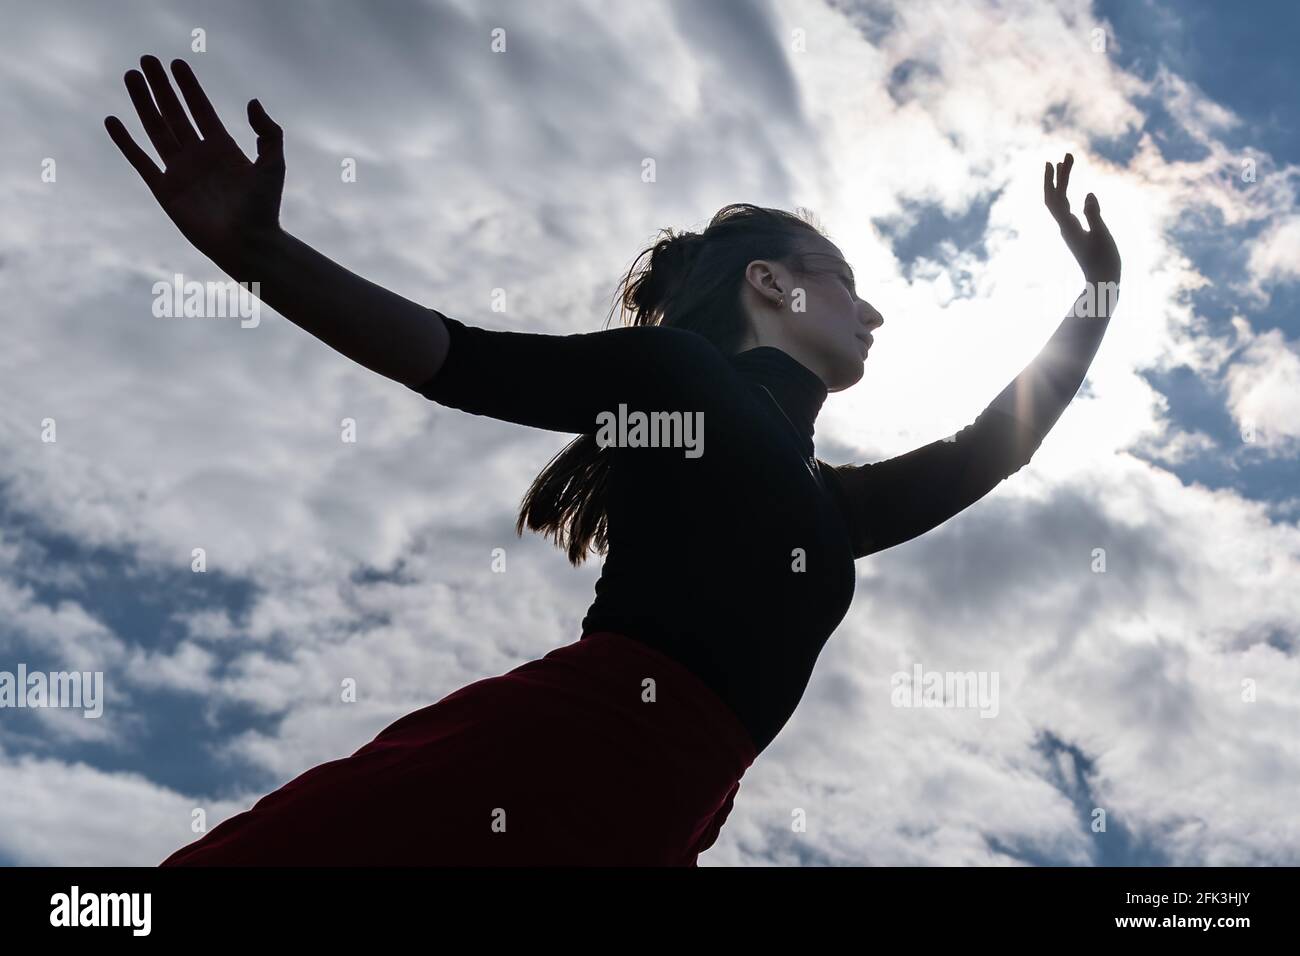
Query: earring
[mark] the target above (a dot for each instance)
(780, 303)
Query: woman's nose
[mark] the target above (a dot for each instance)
(874, 319)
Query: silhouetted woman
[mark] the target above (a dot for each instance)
(729, 545)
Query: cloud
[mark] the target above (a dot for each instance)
(1264, 389)
(1275, 254)
(74, 815)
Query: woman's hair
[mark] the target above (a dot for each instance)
(689, 281)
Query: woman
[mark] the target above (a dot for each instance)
(728, 562)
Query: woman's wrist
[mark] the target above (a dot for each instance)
(254, 253)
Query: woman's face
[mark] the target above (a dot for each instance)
(833, 332)
(821, 321)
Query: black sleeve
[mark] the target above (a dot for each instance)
(562, 382)
(893, 501)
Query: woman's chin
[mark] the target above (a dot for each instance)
(850, 373)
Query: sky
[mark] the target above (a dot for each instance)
(1163, 691)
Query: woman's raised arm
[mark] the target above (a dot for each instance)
(229, 209)
(893, 501)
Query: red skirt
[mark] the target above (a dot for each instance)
(571, 760)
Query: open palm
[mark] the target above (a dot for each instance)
(1093, 248)
(212, 192)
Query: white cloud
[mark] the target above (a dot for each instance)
(1275, 253)
(75, 815)
(1264, 389)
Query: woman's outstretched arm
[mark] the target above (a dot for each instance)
(893, 501)
(229, 208)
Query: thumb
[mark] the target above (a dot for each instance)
(270, 137)
(1092, 212)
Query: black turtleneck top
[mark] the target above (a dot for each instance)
(738, 561)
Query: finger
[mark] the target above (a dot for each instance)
(201, 108)
(1063, 179)
(136, 156)
(270, 138)
(150, 118)
(168, 103)
(1071, 228)
(1092, 210)
(1059, 206)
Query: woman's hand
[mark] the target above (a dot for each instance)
(1094, 249)
(218, 199)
